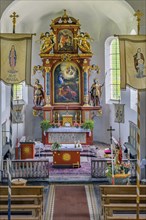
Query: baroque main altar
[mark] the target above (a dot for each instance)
(65, 97)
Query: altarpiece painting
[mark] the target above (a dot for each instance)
(66, 83)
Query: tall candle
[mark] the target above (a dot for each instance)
(80, 118)
(75, 117)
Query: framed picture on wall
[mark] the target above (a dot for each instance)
(66, 83)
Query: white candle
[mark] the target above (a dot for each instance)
(58, 117)
(80, 118)
(75, 117)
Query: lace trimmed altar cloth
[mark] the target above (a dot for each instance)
(68, 135)
(68, 129)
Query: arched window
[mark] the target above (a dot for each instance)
(18, 91)
(112, 64)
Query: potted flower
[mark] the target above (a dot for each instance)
(77, 125)
(56, 146)
(55, 125)
(45, 125)
(89, 124)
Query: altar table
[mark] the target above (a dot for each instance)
(68, 135)
(67, 155)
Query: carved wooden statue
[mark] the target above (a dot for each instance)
(96, 92)
(38, 93)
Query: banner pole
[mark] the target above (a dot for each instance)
(9, 164)
(138, 14)
(112, 154)
(138, 155)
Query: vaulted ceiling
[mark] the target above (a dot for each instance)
(96, 16)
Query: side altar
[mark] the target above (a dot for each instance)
(65, 98)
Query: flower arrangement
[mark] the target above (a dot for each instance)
(89, 124)
(77, 125)
(122, 168)
(56, 146)
(55, 125)
(45, 125)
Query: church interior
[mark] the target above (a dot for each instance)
(72, 109)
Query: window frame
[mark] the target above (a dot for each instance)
(17, 90)
(108, 54)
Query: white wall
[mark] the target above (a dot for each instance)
(100, 28)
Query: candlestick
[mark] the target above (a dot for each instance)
(75, 117)
(80, 118)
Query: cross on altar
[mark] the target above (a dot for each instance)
(111, 134)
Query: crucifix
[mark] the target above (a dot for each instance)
(138, 14)
(111, 132)
(14, 16)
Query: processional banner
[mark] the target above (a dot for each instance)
(15, 58)
(119, 113)
(133, 61)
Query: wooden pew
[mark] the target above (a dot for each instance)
(121, 198)
(24, 200)
(121, 189)
(110, 208)
(131, 217)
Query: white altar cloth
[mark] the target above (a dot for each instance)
(71, 147)
(68, 129)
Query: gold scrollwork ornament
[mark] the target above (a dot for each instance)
(66, 57)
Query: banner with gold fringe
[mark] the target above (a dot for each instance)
(133, 61)
(15, 58)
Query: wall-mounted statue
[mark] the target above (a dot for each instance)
(96, 92)
(38, 93)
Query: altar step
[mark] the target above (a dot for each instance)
(70, 180)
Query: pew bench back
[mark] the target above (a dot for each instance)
(25, 200)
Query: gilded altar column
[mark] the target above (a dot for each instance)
(85, 78)
(47, 89)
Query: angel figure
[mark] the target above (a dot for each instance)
(83, 42)
(47, 42)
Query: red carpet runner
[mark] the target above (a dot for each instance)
(69, 203)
